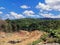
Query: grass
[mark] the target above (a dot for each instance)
(35, 42)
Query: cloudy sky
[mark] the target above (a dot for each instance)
(15, 9)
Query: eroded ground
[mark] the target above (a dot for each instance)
(19, 38)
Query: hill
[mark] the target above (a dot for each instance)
(48, 25)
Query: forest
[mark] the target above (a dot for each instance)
(51, 26)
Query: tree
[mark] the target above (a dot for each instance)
(33, 26)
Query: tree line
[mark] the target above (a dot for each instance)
(28, 24)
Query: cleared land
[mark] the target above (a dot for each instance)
(19, 38)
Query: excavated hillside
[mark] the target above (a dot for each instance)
(19, 38)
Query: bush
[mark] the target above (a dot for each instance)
(35, 42)
(44, 37)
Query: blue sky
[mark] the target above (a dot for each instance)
(15, 9)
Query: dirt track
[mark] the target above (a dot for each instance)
(25, 39)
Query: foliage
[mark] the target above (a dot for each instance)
(30, 25)
(35, 42)
(52, 27)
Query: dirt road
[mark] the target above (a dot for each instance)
(25, 39)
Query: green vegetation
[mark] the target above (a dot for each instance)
(30, 25)
(35, 42)
(52, 27)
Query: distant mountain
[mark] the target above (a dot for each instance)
(37, 18)
(49, 18)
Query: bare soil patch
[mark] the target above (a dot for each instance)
(19, 38)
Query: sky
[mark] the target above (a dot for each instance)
(16, 9)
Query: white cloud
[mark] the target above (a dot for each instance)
(24, 6)
(43, 6)
(28, 12)
(50, 15)
(54, 4)
(46, 15)
(49, 5)
(2, 8)
(1, 12)
(14, 15)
